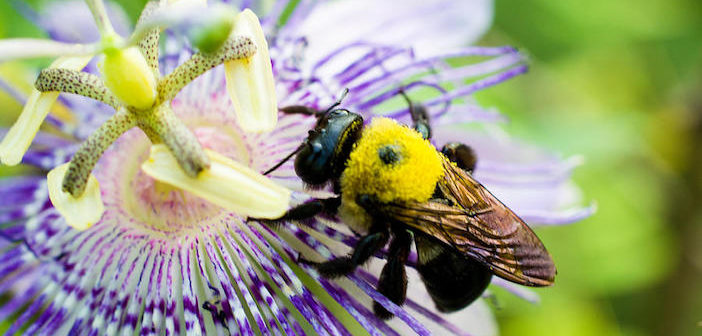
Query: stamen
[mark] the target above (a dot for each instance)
(234, 48)
(21, 134)
(250, 81)
(178, 138)
(80, 212)
(78, 82)
(227, 183)
(148, 44)
(91, 150)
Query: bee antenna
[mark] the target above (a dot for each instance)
(277, 165)
(338, 101)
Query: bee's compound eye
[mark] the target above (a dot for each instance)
(389, 154)
(313, 163)
(338, 113)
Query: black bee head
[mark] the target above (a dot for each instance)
(327, 147)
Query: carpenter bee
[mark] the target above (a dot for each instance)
(393, 186)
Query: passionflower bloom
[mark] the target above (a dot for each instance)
(166, 258)
(132, 84)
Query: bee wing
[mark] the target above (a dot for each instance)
(479, 225)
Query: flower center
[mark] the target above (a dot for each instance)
(135, 200)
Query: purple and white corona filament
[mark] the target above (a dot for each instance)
(163, 261)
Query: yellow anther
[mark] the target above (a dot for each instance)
(250, 81)
(226, 183)
(80, 212)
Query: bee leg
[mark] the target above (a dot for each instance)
(420, 117)
(461, 154)
(365, 248)
(305, 211)
(393, 278)
(301, 109)
(370, 204)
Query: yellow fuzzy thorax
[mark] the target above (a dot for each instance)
(412, 177)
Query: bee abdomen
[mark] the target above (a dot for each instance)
(453, 280)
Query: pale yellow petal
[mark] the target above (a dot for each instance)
(226, 183)
(21, 134)
(129, 77)
(250, 81)
(82, 212)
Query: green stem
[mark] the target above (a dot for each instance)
(78, 82)
(91, 150)
(97, 7)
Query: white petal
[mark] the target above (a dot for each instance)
(82, 212)
(428, 26)
(226, 183)
(20, 135)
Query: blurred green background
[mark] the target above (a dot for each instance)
(620, 83)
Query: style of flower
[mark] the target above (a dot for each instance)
(164, 260)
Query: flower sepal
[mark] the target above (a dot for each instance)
(250, 81)
(80, 212)
(226, 183)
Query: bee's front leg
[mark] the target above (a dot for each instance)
(305, 211)
(371, 205)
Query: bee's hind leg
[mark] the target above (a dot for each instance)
(393, 278)
(461, 154)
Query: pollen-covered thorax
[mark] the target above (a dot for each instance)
(391, 162)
